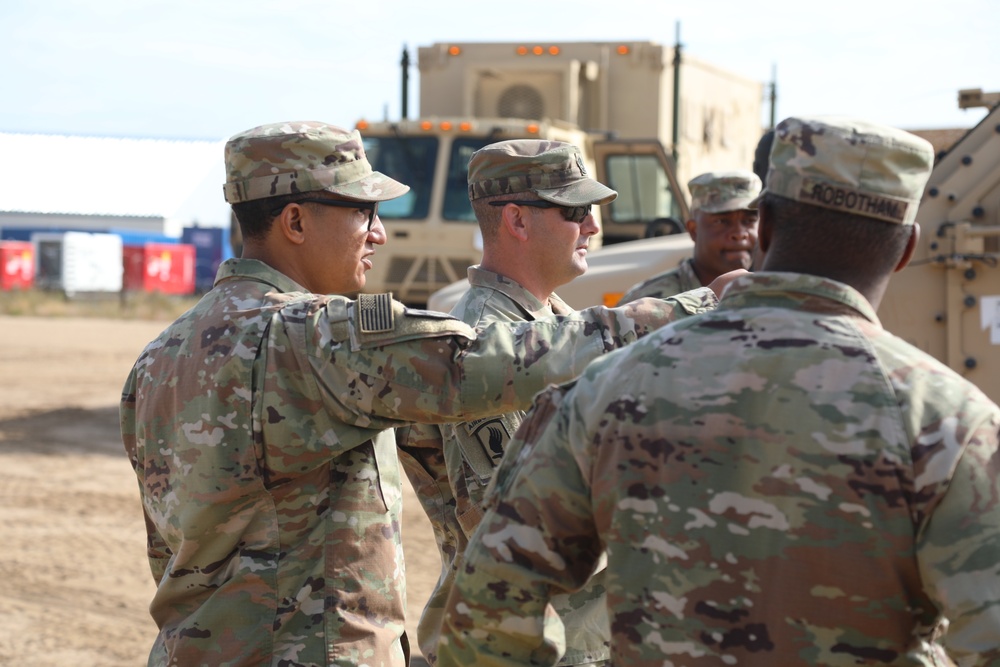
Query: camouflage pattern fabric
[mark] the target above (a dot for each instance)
(422, 459)
(779, 482)
(850, 165)
(472, 450)
(722, 191)
(302, 156)
(448, 486)
(552, 170)
(666, 284)
(257, 425)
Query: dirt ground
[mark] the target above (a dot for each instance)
(74, 583)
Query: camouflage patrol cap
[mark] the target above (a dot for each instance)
(721, 191)
(553, 170)
(850, 165)
(302, 156)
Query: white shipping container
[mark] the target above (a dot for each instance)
(78, 262)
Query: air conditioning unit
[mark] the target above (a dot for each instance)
(532, 94)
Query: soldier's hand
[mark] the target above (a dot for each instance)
(720, 284)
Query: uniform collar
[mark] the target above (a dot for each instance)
(800, 290)
(484, 278)
(253, 269)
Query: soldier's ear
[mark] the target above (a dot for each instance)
(290, 223)
(692, 229)
(911, 247)
(513, 218)
(764, 231)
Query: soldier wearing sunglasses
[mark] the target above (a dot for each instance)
(532, 199)
(259, 424)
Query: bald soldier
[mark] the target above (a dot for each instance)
(259, 423)
(723, 227)
(778, 482)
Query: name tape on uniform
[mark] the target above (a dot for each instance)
(882, 207)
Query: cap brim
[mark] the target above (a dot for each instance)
(374, 187)
(740, 204)
(582, 193)
(755, 202)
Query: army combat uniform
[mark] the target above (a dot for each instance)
(739, 528)
(257, 426)
(538, 173)
(471, 451)
(668, 283)
(713, 192)
(777, 482)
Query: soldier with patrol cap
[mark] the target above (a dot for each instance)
(532, 199)
(723, 227)
(258, 424)
(778, 482)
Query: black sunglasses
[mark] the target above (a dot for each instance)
(570, 213)
(370, 207)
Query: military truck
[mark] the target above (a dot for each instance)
(618, 101)
(946, 302)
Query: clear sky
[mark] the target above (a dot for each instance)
(207, 69)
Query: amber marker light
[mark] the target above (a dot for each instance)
(532, 128)
(426, 125)
(622, 49)
(537, 50)
(522, 50)
(611, 299)
(454, 50)
(361, 125)
(465, 126)
(553, 50)
(446, 125)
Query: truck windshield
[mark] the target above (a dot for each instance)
(643, 189)
(456, 189)
(409, 160)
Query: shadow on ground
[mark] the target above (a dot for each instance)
(66, 430)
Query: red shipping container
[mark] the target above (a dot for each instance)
(17, 265)
(167, 268)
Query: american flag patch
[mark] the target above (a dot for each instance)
(375, 312)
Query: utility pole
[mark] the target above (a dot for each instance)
(405, 65)
(774, 94)
(675, 138)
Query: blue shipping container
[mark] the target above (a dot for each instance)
(137, 237)
(211, 248)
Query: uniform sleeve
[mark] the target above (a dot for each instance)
(536, 540)
(692, 302)
(157, 551)
(472, 452)
(403, 365)
(665, 284)
(959, 547)
(422, 458)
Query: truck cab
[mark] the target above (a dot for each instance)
(433, 236)
(631, 107)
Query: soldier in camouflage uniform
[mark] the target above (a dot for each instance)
(529, 249)
(258, 423)
(723, 227)
(778, 482)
